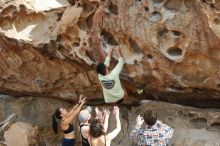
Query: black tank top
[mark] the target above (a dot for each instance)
(69, 130)
(85, 141)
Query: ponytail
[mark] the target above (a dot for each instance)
(56, 116)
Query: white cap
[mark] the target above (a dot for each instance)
(84, 115)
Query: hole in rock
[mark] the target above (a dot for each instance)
(173, 4)
(134, 46)
(216, 125)
(61, 48)
(72, 2)
(59, 38)
(53, 43)
(47, 50)
(176, 33)
(77, 39)
(109, 38)
(59, 16)
(216, 21)
(156, 16)
(149, 56)
(212, 6)
(113, 9)
(146, 9)
(191, 116)
(155, 13)
(75, 44)
(198, 123)
(78, 4)
(217, 6)
(22, 7)
(162, 32)
(135, 62)
(89, 20)
(112, 41)
(158, 1)
(174, 51)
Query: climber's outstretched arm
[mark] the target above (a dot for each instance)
(116, 71)
(108, 58)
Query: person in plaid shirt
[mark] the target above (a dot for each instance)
(155, 133)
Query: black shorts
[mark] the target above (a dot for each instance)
(68, 142)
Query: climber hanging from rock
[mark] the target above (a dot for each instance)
(112, 89)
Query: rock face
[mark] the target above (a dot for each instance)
(35, 111)
(51, 48)
(22, 134)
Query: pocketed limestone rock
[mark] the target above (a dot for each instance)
(22, 134)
